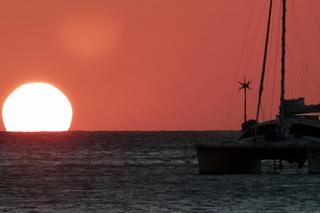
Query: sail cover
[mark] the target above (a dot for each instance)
(297, 106)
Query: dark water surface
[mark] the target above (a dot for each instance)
(137, 172)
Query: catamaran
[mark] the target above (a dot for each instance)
(294, 135)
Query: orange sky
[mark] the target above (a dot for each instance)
(156, 64)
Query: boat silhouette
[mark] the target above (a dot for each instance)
(293, 136)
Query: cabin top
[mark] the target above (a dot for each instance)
(298, 108)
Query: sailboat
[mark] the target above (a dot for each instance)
(294, 135)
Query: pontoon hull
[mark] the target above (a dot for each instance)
(214, 160)
(246, 159)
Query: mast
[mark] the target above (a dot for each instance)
(283, 66)
(264, 62)
(245, 85)
(245, 105)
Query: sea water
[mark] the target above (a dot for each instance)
(138, 172)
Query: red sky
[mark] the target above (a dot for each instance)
(156, 64)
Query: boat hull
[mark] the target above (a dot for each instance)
(215, 160)
(246, 159)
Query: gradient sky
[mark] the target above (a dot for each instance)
(157, 64)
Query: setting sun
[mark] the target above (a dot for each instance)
(37, 107)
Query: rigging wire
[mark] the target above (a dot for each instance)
(317, 22)
(291, 48)
(312, 80)
(296, 47)
(305, 70)
(263, 113)
(300, 74)
(300, 43)
(308, 72)
(265, 57)
(314, 15)
(259, 27)
(275, 67)
(256, 35)
(240, 63)
(272, 65)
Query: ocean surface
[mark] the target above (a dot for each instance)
(138, 172)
